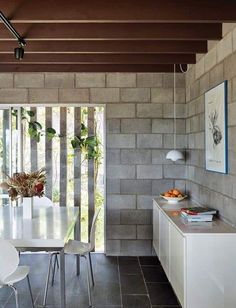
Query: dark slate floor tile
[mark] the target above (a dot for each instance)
(149, 260)
(161, 306)
(132, 284)
(129, 265)
(136, 301)
(161, 294)
(154, 274)
(107, 294)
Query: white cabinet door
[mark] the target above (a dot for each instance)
(156, 228)
(177, 262)
(164, 242)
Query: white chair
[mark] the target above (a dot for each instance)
(42, 201)
(45, 202)
(10, 271)
(83, 249)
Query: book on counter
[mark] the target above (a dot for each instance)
(198, 210)
(197, 218)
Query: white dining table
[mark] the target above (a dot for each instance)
(48, 230)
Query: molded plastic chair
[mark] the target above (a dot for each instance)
(45, 202)
(42, 202)
(83, 249)
(10, 271)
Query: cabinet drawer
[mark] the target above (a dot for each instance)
(164, 242)
(156, 229)
(177, 262)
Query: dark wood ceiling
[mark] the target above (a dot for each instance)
(111, 35)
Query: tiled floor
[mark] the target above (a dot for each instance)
(119, 282)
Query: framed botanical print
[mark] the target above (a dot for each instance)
(216, 129)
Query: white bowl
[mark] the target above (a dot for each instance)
(174, 199)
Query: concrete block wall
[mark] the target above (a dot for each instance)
(219, 64)
(139, 126)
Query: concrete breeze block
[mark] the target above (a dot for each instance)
(104, 95)
(28, 80)
(120, 172)
(149, 110)
(113, 126)
(43, 96)
(142, 187)
(149, 141)
(162, 126)
(7, 96)
(162, 95)
(136, 217)
(120, 111)
(121, 232)
(144, 232)
(149, 80)
(113, 156)
(135, 95)
(121, 80)
(113, 186)
(149, 171)
(136, 247)
(74, 95)
(90, 80)
(135, 125)
(118, 202)
(120, 141)
(59, 80)
(144, 202)
(136, 156)
(6, 80)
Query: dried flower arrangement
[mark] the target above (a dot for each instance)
(25, 184)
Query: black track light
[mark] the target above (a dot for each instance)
(19, 51)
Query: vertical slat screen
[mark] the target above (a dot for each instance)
(63, 155)
(33, 145)
(91, 186)
(48, 154)
(77, 159)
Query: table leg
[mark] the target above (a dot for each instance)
(62, 279)
(77, 237)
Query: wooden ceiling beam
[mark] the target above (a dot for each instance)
(101, 58)
(89, 68)
(126, 31)
(108, 47)
(122, 10)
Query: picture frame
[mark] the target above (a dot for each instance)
(216, 143)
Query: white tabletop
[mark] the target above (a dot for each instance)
(50, 227)
(172, 211)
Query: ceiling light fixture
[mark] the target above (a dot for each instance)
(18, 51)
(174, 154)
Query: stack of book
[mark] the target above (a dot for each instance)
(198, 214)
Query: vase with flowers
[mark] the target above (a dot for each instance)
(25, 185)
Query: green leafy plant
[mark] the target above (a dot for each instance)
(35, 129)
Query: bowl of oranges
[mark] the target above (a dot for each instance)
(173, 195)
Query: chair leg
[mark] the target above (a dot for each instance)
(16, 295)
(91, 268)
(30, 290)
(54, 269)
(47, 281)
(88, 280)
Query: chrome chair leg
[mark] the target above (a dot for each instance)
(30, 290)
(91, 268)
(88, 280)
(47, 281)
(56, 263)
(16, 295)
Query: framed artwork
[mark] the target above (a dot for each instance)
(216, 151)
